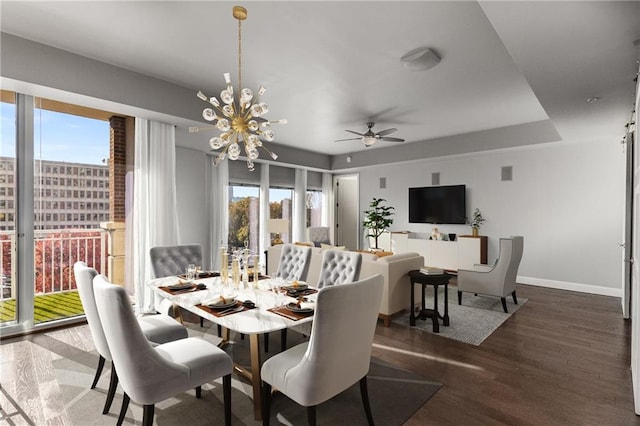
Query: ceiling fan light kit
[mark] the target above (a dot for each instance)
(420, 59)
(370, 137)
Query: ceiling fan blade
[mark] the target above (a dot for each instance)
(352, 139)
(388, 139)
(387, 131)
(355, 133)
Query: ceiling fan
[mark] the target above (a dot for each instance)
(370, 137)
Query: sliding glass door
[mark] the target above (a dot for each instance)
(8, 281)
(54, 193)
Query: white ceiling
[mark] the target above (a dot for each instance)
(331, 66)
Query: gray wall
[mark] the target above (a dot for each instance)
(565, 199)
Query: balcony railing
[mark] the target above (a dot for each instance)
(55, 253)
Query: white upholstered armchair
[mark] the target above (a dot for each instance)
(318, 235)
(497, 280)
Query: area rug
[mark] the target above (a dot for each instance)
(395, 395)
(472, 322)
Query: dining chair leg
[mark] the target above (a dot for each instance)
(219, 330)
(98, 372)
(198, 392)
(513, 295)
(123, 409)
(201, 322)
(283, 340)
(459, 297)
(504, 304)
(311, 415)
(266, 403)
(365, 399)
(147, 415)
(113, 384)
(226, 392)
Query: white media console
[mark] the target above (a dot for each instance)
(463, 253)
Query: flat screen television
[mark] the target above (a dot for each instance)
(438, 204)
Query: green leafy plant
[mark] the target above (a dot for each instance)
(477, 220)
(377, 218)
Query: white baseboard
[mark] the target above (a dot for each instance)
(564, 285)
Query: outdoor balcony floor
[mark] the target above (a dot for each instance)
(48, 307)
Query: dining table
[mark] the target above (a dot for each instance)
(273, 309)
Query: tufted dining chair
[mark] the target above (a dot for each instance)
(156, 328)
(318, 235)
(173, 260)
(339, 267)
(497, 280)
(293, 265)
(337, 354)
(294, 262)
(151, 374)
(167, 261)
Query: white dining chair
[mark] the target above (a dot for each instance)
(337, 354)
(293, 265)
(167, 261)
(156, 328)
(339, 267)
(294, 262)
(149, 374)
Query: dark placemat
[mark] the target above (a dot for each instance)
(284, 312)
(182, 290)
(221, 312)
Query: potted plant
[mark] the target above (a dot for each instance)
(377, 218)
(476, 222)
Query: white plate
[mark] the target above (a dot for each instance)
(217, 304)
(180, 286)
(294, 308)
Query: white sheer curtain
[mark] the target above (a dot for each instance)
(218, 205)
(154, 201)
(327, 203)
(265, 212)
(299, 206)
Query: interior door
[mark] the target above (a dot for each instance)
(347, 211)
(627, 246)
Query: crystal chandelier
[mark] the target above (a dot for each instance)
(241, 120)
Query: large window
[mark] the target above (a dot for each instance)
(314, 208)
(41, 140)
(244, 216)
(280, 207)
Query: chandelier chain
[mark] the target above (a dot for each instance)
(239, 54)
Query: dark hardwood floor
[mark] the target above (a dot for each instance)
(562, 359)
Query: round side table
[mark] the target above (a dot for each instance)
(418, 277)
